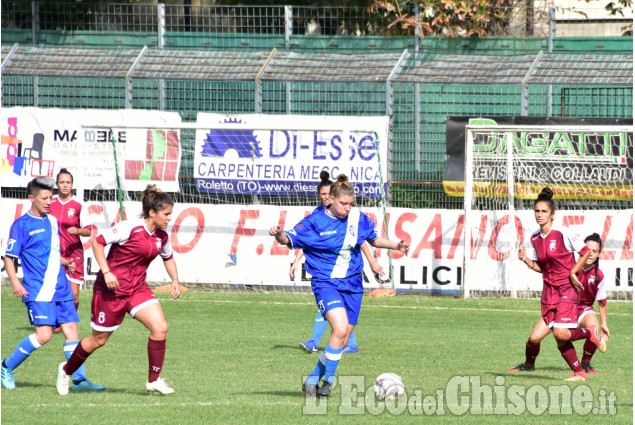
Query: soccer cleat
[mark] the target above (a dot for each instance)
(325, 389)
(310, 390)
(352, 349)
(86, 385)
(159, 386)
(309, 346)
(63, 380)
(577, 376)
(596, 338)
(8, 381)
(57, 329)
(523, 367)
(588, 368)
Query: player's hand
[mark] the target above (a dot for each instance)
(575, 282)
(111, 280)
(292, 270)
(275, 230)
(376, 268)
(176, 289)
(605, 331)
(403, 246)
(18, 290)
(522, 254)
(70, 266)
(73, 230)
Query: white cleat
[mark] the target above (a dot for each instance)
(63, 380)
(159, 386)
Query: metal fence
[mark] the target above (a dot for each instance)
(265, 27)
(207, 59)
(418, 91)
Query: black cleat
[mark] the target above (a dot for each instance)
(588, 368)
(523, 367)
(310, 390)
(325, 389)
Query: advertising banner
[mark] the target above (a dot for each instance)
(267, 159)
(39, 142)
(230, 244)
(576, 164)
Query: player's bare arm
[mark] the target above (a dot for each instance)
(100, 255)
(18, 288)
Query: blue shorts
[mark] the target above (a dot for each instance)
(329, 298)
(51, 313)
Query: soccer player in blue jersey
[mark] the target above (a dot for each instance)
(331, 240)
(34, 239)
(320, 324)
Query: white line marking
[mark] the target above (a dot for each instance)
(499, 310)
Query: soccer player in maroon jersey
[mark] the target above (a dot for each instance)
(592, 279)
(70, 215)
(121, 286)
(551, 253)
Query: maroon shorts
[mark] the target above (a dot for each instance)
(108, 310)
(561, 315)
(583, 310)
(78, 276)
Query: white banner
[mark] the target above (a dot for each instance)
(289, 162)
(230, 244)
(39, 142)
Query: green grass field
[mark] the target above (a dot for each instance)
(234, 358)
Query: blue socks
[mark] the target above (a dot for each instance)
(333, 356)
(22, 351)
(326, 366)
(318, 372)
(319, 327)
(352, 341)
(79, 374)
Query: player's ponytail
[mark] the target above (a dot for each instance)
(342, 187)
(154, 199)
(546, 195)
(594, 237)
(324, 181)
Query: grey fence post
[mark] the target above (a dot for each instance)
(552, 36)
(552, 29)
(160, 44)
(288, 30)
(36, 91)
(35, 30)
(288, 26)
(417, 34)
(524, 95)
(129, 74)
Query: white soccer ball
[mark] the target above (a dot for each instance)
(389, 386)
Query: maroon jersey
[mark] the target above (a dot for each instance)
(69, 214)
(132, 250)
(554, 254)
(594, 287)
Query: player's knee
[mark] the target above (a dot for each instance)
(340, 331)
(43, 337)
(160, 329)
(561, 334)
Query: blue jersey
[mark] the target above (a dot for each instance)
(36, 242)
(332, 246)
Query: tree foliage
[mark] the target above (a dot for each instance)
(450, 17)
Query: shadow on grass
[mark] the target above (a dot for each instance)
(298, 393)
(540, 374)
